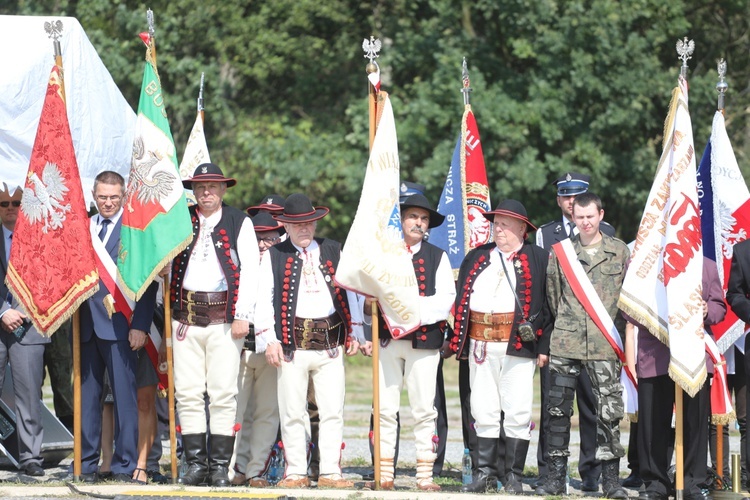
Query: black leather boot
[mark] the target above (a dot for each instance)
(611, 480)
(221, 453)
(557, 469)
(515, 459)
(194, 448)
(485, 477)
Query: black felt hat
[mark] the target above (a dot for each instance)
(298, 209)
(511, 208)
(272, 203)
(264, 221)
(420, 201)
(208, 172)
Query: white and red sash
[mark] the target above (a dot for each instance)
(721, 403)
(592, 304)
(117, 301)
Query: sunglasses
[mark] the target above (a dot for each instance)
(6, 204)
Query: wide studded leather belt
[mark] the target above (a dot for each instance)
(201, 308)
(320, 333)
(490, 327)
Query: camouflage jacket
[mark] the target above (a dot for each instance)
(575, 335)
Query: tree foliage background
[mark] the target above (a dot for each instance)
(557, 85)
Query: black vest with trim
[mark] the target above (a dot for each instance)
(286, 264)
(426, 263)
(224, 237)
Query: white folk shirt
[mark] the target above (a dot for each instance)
(204, 272)
(314, 299)
(491, 292)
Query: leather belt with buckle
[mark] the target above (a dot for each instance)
(490, 327)
(319, 334)
(201, 308)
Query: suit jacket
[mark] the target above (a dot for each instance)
(738, 289)
(32, 336)
(94, 317)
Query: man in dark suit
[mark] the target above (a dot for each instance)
(738, 291)
(570, 185)
(25, 351)
(110, 341)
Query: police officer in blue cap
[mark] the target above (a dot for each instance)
(570, 185)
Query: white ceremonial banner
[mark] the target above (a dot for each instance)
(662, 288)
(375, 261)
(101, 120)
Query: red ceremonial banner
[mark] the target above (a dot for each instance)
(52, 267)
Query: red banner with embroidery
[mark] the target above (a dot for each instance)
(52, 269)
(592, 304)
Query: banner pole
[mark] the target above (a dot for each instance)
(679, 477)
(170, 380)
(76, 395)
(371, 48)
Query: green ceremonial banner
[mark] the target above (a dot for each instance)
(155, 220)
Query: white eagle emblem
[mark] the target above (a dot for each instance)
(728, 237)
(43, 202)
(147, 189)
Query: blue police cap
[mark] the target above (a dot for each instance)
(572, 183)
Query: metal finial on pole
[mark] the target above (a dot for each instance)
(200, 93)
(150, 21)
(685, 50)
(722, 86)
(465, 90)
(54, 31)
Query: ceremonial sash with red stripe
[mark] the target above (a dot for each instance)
(592, 304)
(721, 403)
(122, 304)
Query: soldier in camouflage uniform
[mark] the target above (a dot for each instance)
(577, 344)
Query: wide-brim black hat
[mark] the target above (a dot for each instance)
(511, 208)
(208, 172)
(264, 221)
(420, 201)
(272, 203)
(298, 209)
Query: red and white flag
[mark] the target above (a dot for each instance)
(52, 268)
(662, 288)
(725, 217)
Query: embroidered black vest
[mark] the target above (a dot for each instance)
(224, 237)
(426, 263)
(286, 264)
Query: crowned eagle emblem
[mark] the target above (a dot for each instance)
(145, 187)
(44, 201)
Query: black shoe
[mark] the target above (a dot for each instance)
(368, 476)
(539, 482)
(652, 495)
(632, 481)
(33, 469)
(157, 477)
(121, 477)
(196, 456)
(218, 461)
(486, 475)
(105, 476)
(554, 485)
(589, 484)
(91, 478)
(611, 480)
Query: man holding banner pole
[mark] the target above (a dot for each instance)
(584, 278)
(413, 359)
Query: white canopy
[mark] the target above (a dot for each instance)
(101, 120)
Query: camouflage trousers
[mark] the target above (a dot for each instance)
(605, 379)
